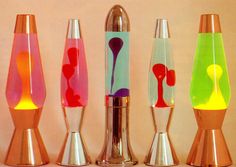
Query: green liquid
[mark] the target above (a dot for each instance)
(210, 51)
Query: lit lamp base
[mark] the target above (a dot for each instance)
(73, 151)
(26, 148)
(162, 152)
(209, 147)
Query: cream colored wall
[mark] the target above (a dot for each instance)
(51, 17)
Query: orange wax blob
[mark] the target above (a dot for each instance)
(24, 63)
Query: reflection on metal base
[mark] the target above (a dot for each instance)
(26, 148)
(161, 152)
(117, 150)
(73, 152)
(209, 147)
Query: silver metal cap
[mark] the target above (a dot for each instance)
(117, 20)
(73, 29)
(162, 29)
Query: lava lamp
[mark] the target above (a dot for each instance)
(161, 96)
(210, 96)
(74, 97)
(25, 93)
(117, 149)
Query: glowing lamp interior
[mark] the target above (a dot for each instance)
(24, 63)
(25, 85)
(210, 89)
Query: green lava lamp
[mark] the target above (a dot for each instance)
(210, 95)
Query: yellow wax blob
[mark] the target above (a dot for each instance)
(216, 100)
(24, 64)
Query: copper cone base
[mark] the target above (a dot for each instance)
(209, 148)
(73, 151)
(26, 147)
(161, 152)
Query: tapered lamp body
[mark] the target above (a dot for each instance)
(74, 97)
(117, 149)
(161, 96)
(210, 95)
(25, 93)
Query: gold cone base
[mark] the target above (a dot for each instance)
(161, 152)
(209, 148)
(73, 152)
(26, 149)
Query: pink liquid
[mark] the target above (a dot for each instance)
(25, 82)
(74, 77)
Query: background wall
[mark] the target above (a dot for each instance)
(51, 17)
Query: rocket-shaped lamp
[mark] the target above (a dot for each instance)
(117, 149)
(74, 97)
(25, 93)
(210, 96)
(161, 97)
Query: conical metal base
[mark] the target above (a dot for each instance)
(117, 150)
(73, 151)
(26, 147)
(162, 152)
(209, 148)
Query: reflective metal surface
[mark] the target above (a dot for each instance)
(209, 148)
(210, 23)
(162, 29)
(25, 23)
(161, 152)
(73, 152)
(117, 20)
(117, 149)
(73, 30)
(26, 147)
(117, 101)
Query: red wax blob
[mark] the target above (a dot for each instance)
(159, 71)
(73, 54)
(170, 78)
(68, 71)
(73, 100)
